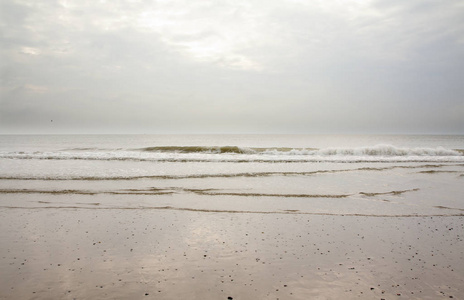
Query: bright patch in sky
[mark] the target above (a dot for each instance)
(241, 66)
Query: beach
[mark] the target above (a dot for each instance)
(231, 217)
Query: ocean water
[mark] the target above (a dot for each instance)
(288, 174)
(376, 175)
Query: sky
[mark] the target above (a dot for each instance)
(232, 66)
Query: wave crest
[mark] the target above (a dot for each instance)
(387, 150)
(377, 150)
(235, 154)
(199, 149)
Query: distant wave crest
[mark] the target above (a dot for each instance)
(388, 150)
(378, 150)
(199, 149)
(378, 153)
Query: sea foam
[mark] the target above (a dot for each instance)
(378, 153)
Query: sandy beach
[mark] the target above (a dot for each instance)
(94, 253)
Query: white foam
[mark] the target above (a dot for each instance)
(378, 153)
(387, 150)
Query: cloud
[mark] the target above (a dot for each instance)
(232, 66)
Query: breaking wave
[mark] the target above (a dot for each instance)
(378, 153)
(389, 150)
(216, 149)
(378, 150)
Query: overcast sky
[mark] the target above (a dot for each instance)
(232, 66)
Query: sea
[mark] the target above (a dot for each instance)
(361, 175)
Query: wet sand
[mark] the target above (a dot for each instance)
(86, 252)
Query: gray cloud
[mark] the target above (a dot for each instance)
(232, 66)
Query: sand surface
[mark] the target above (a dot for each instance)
(103, 253)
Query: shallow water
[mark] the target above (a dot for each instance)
(366, 175)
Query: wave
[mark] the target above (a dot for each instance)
(202, 192)
(93, 206)
(378, 150)
(235, 154)
(394, 193)
(84, 192)
(220, 175)
(389, 150)
(201, 149)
